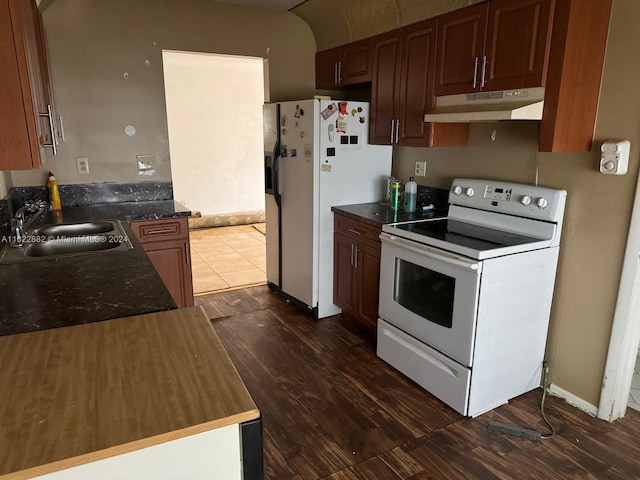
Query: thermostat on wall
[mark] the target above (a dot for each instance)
(615, 157)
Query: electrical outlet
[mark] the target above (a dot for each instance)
(82, 165)
(421, 169)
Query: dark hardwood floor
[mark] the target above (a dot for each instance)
(332, 410)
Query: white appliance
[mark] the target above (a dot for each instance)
(323, 159)
(465, 300)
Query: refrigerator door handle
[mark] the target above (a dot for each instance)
(276, 175)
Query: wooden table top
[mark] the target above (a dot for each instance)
(77, 394)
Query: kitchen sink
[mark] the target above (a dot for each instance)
(71, 245)
(66, 240)
(74, 229)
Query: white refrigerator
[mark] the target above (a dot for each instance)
(316, 156)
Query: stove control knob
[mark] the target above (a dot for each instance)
(457, 190)
(469, 192)
(525, 200)
(542, 203)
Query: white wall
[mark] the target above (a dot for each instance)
(214, 115)
(210, 455)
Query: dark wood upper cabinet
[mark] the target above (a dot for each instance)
(385, 87)
(517, 45)
(343, 66)
(498, 45)
(402, 90)
(26, 116)
(327, 68)
(461, 35)
(576, 60)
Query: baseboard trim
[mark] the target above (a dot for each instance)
(227, 219)
(574, 400)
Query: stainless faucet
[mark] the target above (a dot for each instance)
(17, 227)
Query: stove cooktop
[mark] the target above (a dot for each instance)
(466, 234)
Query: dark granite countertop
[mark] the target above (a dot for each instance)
(380, 213)
(149, 210)
(57, 292)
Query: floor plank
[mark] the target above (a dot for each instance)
(332, 410)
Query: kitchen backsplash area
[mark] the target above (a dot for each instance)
(438, 197)
(86, 194)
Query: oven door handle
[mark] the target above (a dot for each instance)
(450, 258)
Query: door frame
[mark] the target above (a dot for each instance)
(625, 332)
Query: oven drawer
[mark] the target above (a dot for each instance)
(439, 375)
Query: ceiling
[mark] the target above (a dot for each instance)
(277, 4)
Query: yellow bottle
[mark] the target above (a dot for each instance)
(54, 194)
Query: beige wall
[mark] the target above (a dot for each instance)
(92, 43)
(598, 209)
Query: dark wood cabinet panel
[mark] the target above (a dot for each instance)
(26, 91)
(385, 87)
(461, 35)
(166, 242)
(576, 61)
(345, 65)
(416, 92)
(356, 270)
(497, 45)
(356, 63)
(326, 68)
(343, 284)
(402, 90)
(173, 265)
(518, 39)
(368, 283)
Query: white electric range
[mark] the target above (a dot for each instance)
(465, 300)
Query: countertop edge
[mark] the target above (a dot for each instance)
(378, 214)
(131, 446)
(201, 335)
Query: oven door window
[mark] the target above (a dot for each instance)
(427, 293)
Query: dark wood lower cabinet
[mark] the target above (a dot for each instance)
(356, 270)
(166, 242)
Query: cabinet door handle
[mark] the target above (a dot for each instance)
(160, 230)
(356, 256)
(339, 72)
(483, 82)
(351, 260)
(397, 130)
(354, 231)
(475, 73)
(187, 256)
(51, 145)
(392, 129)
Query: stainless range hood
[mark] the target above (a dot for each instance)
(522, 104)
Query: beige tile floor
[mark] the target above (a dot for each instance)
(228, 257)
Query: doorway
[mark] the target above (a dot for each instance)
(214, 117)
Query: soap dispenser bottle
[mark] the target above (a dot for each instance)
(410, 195)
(54, 194)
